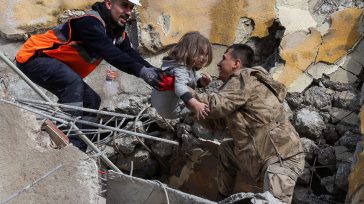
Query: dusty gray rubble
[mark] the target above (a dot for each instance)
(23, 161)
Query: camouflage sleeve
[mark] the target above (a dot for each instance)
(213, 124)
(224, 102)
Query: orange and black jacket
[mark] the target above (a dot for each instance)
(83, 42)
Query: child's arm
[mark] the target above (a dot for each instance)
(224, 102)
(181, 89)
(201, 109)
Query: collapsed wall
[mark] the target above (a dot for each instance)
(314, 47)
(70, 176)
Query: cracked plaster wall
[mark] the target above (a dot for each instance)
(25, 13)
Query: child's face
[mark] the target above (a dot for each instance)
(227, 66)
(200, 61)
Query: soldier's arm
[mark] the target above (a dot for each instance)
(213, 124)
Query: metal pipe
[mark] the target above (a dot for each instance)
(24, 77)
(77, 108)
(82, 136)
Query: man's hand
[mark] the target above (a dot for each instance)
(152, 76)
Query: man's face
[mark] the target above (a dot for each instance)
(120, 11)
(227, 66)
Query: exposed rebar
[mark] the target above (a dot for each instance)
(81, 136)
(77, 108)
(16, 194)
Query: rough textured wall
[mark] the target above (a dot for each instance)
(164, 22)
(19, 15)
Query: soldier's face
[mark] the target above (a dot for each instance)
(120, 10)
(227, 66)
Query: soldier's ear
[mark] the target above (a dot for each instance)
(237, 64)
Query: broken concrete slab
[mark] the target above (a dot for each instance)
(20, 15)
(131, 190)
(300, 84)
(75, 181)
(298, 50)
(291, 18)
(348, 100)
(342, 115)
(220, 20)
(317, 70)
(342, 35)
(343, 76)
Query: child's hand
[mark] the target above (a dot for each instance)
(201, 109)
(206, 79)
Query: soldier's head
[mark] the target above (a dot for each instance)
(121, 10)
(236, 57)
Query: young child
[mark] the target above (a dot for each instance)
(190, 54)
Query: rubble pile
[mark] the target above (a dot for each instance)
(326, 118)
(33, 172)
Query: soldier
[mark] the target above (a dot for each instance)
(265, 148)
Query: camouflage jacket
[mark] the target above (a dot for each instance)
(250, 106)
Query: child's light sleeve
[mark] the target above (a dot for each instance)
(180, 83)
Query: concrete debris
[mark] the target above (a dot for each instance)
(317, 97)
(126, 144)
(347, 100)
(326, 156)
(330, 134)
(139, 159)
(259, 198)
(305, 178)
(328, 183)
(309, 124)
(163, 149)
(295, 100)
(342, 154)
(339, 115)
(310, 148)
(342, 174)
(130, 190)
(349, 140)
(75, 181)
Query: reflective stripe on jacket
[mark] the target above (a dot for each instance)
(54, 44)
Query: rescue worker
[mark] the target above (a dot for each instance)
(59, 59)
(265, 149)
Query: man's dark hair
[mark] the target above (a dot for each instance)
(243, 52)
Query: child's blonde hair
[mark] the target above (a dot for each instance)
(190, 47)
